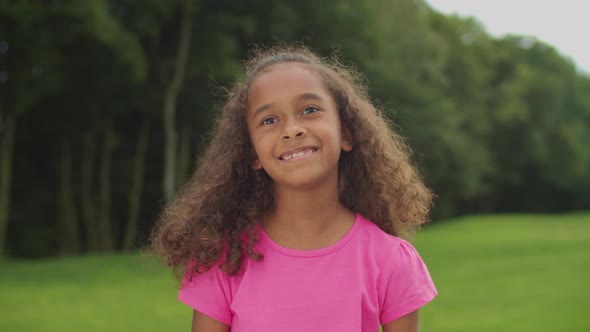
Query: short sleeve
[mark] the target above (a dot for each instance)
(208, 293)
(409, 286)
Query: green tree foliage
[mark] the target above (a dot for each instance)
(544, 118)
(496, 124)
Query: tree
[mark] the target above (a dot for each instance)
(170, 101)
(28, 64)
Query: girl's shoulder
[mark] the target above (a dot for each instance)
(384, 247)
(373, 235)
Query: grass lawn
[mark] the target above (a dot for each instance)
(493, 273)
(509, 273)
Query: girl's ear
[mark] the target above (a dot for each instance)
(346, 139)
(257, 164)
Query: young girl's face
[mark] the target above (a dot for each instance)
(295, 127)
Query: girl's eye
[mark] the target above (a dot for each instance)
(268, 121)
(310, 109)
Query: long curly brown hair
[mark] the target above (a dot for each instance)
(212, 220)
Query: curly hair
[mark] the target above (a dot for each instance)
(212, 220)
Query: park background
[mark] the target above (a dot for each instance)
(105, 106)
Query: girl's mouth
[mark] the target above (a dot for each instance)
(298, 153)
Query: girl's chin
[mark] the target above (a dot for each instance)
(307, 182)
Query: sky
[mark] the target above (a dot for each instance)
(565, 24)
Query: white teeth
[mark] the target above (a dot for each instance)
(298, 154)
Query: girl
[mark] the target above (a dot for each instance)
(293, 219)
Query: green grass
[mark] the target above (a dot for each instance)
(110, 293)
(493, 273)
(509, 273)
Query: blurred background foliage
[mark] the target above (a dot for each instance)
(105, 105)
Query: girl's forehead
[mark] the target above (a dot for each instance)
(284, 80)
(290, 70)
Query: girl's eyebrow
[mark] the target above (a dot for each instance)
(303, 96)
(262, 109)
(308, 96)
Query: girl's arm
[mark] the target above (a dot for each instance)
(204, 323)
(407, 323)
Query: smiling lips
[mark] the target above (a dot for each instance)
(297, 153)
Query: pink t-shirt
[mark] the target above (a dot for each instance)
(366, 279)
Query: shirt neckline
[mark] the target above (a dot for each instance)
(312, 252)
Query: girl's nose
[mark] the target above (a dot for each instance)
(294, 132)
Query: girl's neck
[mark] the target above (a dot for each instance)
(307, 219)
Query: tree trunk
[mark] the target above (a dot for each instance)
(184, 156)
(136, 186)
(170, 133)
(105, 229)
(70, 238)
(89, 216)
(6, 149)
